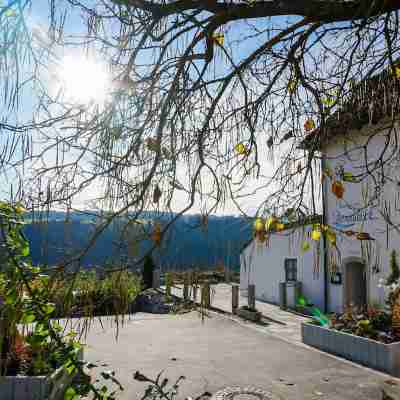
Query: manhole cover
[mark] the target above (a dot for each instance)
(243, 393)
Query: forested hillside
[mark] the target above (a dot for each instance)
(189, 243)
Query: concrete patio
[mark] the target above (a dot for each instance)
(223, 352)
(284, 324)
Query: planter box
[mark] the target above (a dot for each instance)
(254, 316)
(36, 387)
(380, 356)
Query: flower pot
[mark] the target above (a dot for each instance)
(50, 387)
(373, 354)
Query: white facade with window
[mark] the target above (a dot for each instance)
(280, 259)
(352, 273)
(362, 209)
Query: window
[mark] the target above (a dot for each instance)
(291, 269)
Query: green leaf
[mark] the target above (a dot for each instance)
(28, 318)
(25, 249)
(70, 394)
(49, 308)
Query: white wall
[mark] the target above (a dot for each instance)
(263, 265)
(341, 213)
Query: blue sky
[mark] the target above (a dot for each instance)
(234, 40)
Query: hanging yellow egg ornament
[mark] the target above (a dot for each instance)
(309, 125)
(395, 71)
(305, 246)
(279, 227)
(316, 235)
(241, 149)
(219, 38)
(348, 177)
(258, 225)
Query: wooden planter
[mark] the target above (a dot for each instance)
(373, 354)
(36, 387)
(254, 316)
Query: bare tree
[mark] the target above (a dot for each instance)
(208, 103)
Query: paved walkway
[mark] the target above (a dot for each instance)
(221, 352)
(284, 324)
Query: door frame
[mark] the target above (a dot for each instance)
(353, 260)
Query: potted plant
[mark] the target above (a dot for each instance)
(38, 358)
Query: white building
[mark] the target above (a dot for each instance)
(366, 160)
(281, 259)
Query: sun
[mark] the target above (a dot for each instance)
(83, 80)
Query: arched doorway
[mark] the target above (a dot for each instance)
(355, 283)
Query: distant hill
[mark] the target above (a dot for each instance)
(188, 243)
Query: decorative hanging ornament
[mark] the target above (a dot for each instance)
(241, 149)
(261, 236)
(316, 234)
(259, 225)
(292, 86)
(331, 236)
(305, 246)
(338, 189)
(324, 228)
(279, 227)
(349, 233)
(330, 99)
(328, 172)
(364, 236)
(309, 125)
(348, 177)
(218, 38)
(395, 71)
(157, 194)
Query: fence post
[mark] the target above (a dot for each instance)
(186, 286)
(235, 298)
(251, 296)
(205, 295)
(168, 284)
(156, 279)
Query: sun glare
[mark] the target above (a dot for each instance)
(84, 80)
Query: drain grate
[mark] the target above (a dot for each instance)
(243, 393)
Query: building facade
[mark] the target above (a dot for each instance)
(365, 220)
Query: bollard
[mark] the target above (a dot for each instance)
(156, 279)
(205, 295)
(251, 297)
(186, 287)
(235, 298)
(194, 293)
(168, 284)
